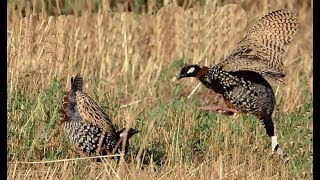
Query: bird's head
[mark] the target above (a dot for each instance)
(126, 134)
(192, 70)
(129, 133)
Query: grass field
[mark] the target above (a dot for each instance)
(129, 63)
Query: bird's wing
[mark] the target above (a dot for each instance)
(263, 48)
(92, 113)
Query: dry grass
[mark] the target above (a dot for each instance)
(129, 63)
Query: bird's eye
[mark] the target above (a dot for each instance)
(190, 70)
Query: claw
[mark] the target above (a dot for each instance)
(276, 148)
(280, 152)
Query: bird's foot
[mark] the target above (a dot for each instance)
(279, 151)
(219, 109)
(276, 148)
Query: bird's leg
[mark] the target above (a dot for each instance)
(110, 153)
(98, 153)
(93, 167)
(94, 161)
(75, 149)
(229, 110)
(267, 122)
(103, 151)
(219, 109)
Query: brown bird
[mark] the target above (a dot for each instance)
(240, 77)
(88, 127)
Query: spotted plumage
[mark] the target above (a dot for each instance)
(240, 78)
(86, 125)
(246, 91)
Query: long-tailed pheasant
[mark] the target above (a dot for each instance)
(240, 77)
(87, 126)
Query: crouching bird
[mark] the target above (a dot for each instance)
(240, 78)
(88, 127)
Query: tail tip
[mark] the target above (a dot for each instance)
(76, 83)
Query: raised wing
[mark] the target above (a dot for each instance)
(262, 50)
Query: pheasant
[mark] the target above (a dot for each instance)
(88, 127)
(240, 78)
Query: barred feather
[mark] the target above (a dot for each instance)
(262, 50)
(86, 125)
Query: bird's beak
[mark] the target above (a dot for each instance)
(136, 131)
(179, 77)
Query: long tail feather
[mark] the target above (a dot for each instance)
(76, 84)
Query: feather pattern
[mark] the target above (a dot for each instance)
(86, 125)
(262, 50)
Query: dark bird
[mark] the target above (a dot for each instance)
(240, 78)
(88, 127)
